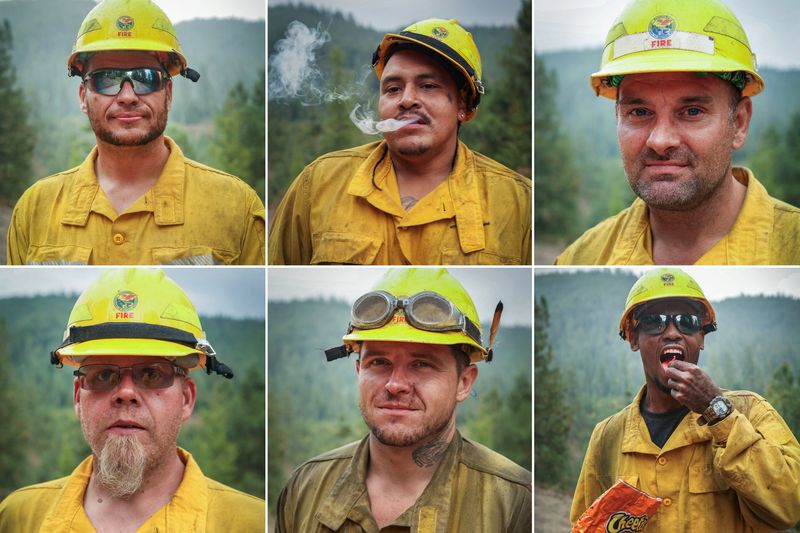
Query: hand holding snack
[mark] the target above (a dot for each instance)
(690, 385)
(620, 509)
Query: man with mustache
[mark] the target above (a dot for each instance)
(133, 337)
(417, 337)
(419, 196)
(682, 74)
(135, 199)
(733, 468)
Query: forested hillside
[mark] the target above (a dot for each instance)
(41, 437)
(597, 373)
(313, 404)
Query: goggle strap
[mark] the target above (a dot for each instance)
(708, 328)
(339, 352)
(212, 365)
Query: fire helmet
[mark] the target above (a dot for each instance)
(677, 36)
(661, 283)
(448, 40)
(136, 312)
(128, 25)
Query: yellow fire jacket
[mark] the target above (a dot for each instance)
(192, 215)
(739, 475)
(345, 208)
(473, 489)
(766, 232)
(200, 504)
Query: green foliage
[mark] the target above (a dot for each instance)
(313, 404)
(556, 177)
(775, 162)
(550, 405)
(601, 374)
(17, 137)
(238, 140)
(42, 439)
(783, 393)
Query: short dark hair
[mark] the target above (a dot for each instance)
(462, 359)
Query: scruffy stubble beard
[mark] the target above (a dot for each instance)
(107, 136)
(121, 465)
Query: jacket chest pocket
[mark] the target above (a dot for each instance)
(58, 255)
(344, 248)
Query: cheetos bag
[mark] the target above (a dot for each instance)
(621, 508)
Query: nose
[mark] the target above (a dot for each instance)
(672, 330)
(409, 97)
(663, 135)
(126, 95)
(399, 381)
(125, 391)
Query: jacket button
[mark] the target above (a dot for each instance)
(662, 460)
(118, 238)
(667, 501)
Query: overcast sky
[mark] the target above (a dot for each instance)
(393, 15)
(769, 24)
(233, 292)
(719, 283)
(485, 285)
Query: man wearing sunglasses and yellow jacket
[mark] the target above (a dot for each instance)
(134, 337)
(719, 460)
(135, 199)
(416, 336)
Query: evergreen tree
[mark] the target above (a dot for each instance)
(552, 420)
(556, 176)
(14, 436)
(17, 138)
(783, 393)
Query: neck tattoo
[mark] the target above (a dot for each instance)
(431, 453)
(408, 202)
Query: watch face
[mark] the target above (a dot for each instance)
(719, 408)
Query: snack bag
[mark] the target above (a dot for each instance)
(620, 509)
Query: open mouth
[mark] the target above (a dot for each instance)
(669, 355)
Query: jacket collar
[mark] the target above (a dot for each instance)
(185, 512)
(431, 509)
(748, 238)
(375, 181)
(165, 199)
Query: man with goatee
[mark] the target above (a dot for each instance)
(417, 336)
(134, 336)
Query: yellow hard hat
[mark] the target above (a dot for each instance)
(447, 39)
(416, 305)
(663, 283)
(677, 36)
(136, 312)
(133, 25)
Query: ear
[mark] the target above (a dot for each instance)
(633, 339)
(82, 96)
(189, 394)
(465, 382)
(168, 88)
(741, 122)
(358, 365)
(76, 397)
(701, 342)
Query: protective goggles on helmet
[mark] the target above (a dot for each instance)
(427, 310)
(655, 324)
(108, 81)
(105, 377)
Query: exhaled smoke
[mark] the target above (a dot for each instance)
(294, 75)
(366, 123)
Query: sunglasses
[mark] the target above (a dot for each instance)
(657, 324)
(100, 377)
(428, 311)
(108, 81)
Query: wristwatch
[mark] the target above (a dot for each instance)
(719, 408)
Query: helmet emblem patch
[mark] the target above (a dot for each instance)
(440, 32)
(668, 279)
(126, 300)
(125, 25)
(662, 27)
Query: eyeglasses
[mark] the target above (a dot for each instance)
(426, 310)
(99, 377)
(657, 324)
(108, 81)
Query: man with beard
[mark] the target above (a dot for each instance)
(419, 196)
(417, 335)
(135, 199)
(733, 468)
(682, 74)
(134, 336)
